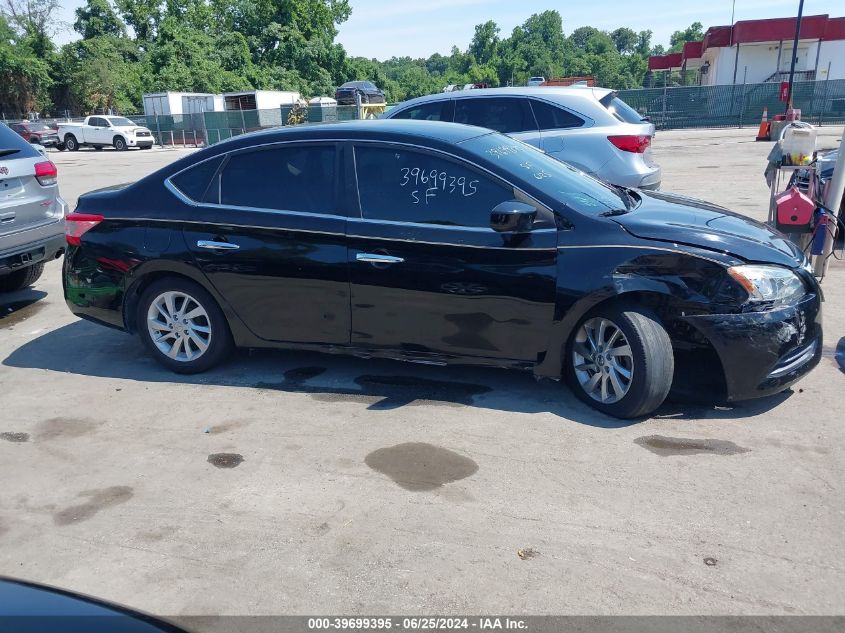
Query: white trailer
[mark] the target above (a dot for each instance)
(176, 103)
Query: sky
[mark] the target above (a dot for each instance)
(419, 28)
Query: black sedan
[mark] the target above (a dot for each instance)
(347, 93)
(443, 243)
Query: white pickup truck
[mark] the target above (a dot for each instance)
(100, 131)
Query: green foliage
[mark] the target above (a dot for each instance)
(129, 47)
(693, 33)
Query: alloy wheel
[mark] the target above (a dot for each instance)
(179, 326)
(603, 360)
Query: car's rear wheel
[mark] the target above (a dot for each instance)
(71, 144)
(620, 361)
(182, 326)
(119, 143)
(21, 278)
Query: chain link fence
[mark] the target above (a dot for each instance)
(669, 108)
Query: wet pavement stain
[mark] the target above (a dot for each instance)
(59, 428)
(97, 500)
(13, 313)
(15, 437)
(667, 446)
(225, 460)
(710, 561)
(418, 466)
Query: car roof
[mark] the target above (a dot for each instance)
(381, 129)
(437, 134)
(576, 92)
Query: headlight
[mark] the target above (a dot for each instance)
(768, 283)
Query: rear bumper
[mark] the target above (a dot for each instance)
(40, 250)
(763, 353)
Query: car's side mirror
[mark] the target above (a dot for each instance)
(512, 216)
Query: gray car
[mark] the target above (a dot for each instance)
(589, 128)
(31, 212)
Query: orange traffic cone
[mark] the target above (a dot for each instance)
(763, 132)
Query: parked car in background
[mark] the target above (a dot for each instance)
(536, 81)
(442, 243)
(38, 132)
(31, 212)
(370, 93)
(101, 131)
(589, 128)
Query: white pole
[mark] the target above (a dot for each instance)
(832, 200)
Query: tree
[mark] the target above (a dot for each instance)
(581, 36)
(485, 42)
(97, 18)
(625, 40)
(24, 75)
(693, 33)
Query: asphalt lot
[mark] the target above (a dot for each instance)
(382, 487)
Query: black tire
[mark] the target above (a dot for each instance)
(220, 338)
(653, 363)
(21, 278)
(119, 143)
(60, 147)
(35, 140)
(71, 144)
(98, 148)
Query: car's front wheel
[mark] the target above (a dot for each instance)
(620, 361)
(182, 326)
(71, 143)
(119, 143)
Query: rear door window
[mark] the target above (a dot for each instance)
(288, 178)
(433, 111)
(503, 114)
(402, 185)
(552, 117)
(97, 122)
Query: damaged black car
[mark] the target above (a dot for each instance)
(444, 243)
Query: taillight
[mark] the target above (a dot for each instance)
(46, 173)
(637, 143)
(77, 224)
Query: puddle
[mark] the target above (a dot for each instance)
(13, 313)
(225, 460)
(666, 446)
(15, 437)
(98, 500)
(419, 466)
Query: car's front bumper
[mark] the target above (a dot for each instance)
(763, 353)
(139, 141)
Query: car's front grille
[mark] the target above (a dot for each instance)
(143, 134)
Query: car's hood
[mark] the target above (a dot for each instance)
(681, 220)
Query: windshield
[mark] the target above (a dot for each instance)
(582, 193)
(119, 121)
(40, 126)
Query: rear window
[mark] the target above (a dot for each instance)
(621, 110)
(12, 145)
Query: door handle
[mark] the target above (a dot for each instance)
(217, 246)
(378, 258)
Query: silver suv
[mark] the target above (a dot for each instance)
(589, 128)
(31, 212)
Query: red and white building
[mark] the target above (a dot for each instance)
(756, 51)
